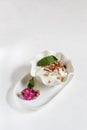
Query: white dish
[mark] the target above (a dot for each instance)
(46, 93)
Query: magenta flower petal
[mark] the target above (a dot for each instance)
(29, 94)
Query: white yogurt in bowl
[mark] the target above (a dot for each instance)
(53, 74)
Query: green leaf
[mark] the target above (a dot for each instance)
(47, 60)
(31, 83)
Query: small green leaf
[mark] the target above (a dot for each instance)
(47, 60)
(31, 83)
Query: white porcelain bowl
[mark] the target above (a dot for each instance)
(40, 78)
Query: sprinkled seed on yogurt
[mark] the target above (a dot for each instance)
(49, 81)
(55, 70)
(62, 79)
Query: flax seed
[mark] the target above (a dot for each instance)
(49, 81)
(62, 79)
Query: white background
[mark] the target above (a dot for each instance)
(28, 27)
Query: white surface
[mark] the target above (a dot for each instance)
(29, 27)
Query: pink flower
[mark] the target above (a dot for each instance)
(29, 94)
